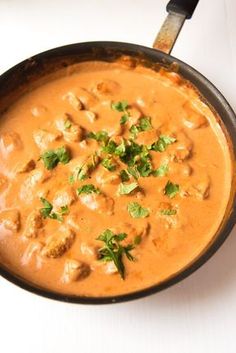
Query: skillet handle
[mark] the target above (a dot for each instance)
(178, 12)
(185, 7)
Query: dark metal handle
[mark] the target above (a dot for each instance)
(183, 7)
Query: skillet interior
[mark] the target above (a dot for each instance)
(30, 73)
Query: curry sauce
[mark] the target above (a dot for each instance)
(112, 179)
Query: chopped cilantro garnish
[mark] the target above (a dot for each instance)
(125, 189)
(109, 164)
(120, 106)
(46, 211)
(124, 119)
(114, 251)
(110, 147)
(171, 189)
(88, 189)
(162, 143)
(137, 211)
(124, 175)
(161, 171)
(100, 136)
(51, 158)
(144, 124)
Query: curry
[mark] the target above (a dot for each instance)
(112, 179)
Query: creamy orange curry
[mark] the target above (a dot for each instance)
(112, 179)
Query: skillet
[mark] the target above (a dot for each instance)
(26, 75)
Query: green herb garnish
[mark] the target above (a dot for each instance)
(144, 124)
(124, 175)
(162, 143)
(108, 164)
(161, 171)
(121, 107)
(46, 211)
(125, 189)
(114, 251)
(171, 189)
(100, 136)
(88, 189)
(51, 158)
(137, 211)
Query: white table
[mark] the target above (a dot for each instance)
(197, 315)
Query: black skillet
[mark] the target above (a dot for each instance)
(26, 75)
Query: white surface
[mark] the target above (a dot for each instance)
(197, 315)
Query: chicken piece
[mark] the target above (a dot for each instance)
(91, 116)
(35, 177)
(181, 149)
(103, 177)
(44, 138)
(56, 245)
(88, 250)
(107, 88)
(73, 100)
(64, 197)
(26, 166)
(142, 230)
(193, 119)
(180, 169)
(134, 115)
(34, 223)
(81, 168)
(71, 131)
(87, 98)
(98, 202)
(10, 219)
(75, 270)
(147, 137)
(38, 111)
(200, 190)
(33, 250)
(115, 130)
(9, 142)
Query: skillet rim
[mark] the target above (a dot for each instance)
(227, 115)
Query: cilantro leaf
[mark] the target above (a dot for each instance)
(114, 251)
(124, 119)
(63, 155)
(88, 189)
(137, 211)
(125, 189)
(161, 144)
(108, 164)
(161, 171)
(171, 189)
(100, 136)
(46, 211)
(144, 124)
(51, 158)
(110, 147)
(120, 106)
(124, 175)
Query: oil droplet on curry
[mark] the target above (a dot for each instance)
(112, 180)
